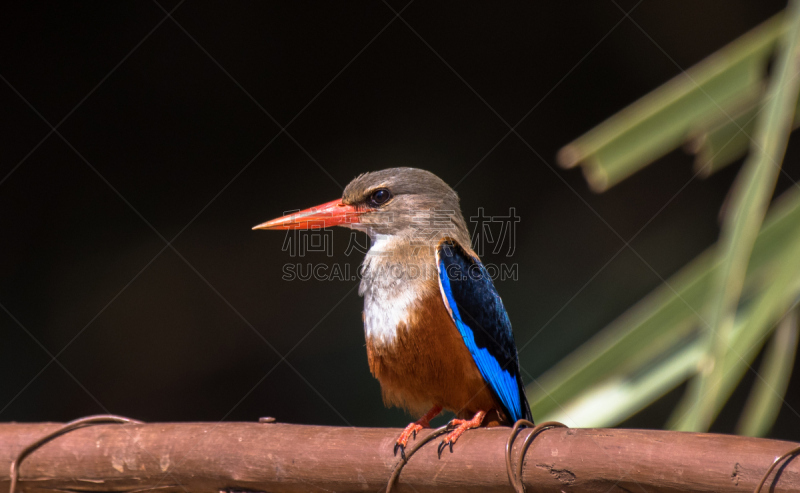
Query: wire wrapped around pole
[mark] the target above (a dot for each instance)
(516, 479)
(72, 425)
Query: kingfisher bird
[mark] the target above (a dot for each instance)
(437, 334)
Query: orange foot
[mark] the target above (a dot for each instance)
(461, 425)
(413, 428)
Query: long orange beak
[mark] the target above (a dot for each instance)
(333, 213)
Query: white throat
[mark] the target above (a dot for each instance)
(389, 291)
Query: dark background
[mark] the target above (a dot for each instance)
(170, 130)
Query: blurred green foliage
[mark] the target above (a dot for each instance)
(707, 323)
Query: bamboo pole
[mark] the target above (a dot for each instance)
(271, 457)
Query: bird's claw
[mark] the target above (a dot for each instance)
(449, 439)
(410, 431)
(458, 427)
(402, 449)
(443, 445)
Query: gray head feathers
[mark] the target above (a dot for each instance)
(420, 206)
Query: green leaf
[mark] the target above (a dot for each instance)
(754, 324)
(664, 319)
(766, 397)
(741, 223)
(718, 143)
(631, 387)
(661, 120)
(622, 395)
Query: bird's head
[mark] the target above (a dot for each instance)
(400, 202)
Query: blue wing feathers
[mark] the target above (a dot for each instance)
(480, 317)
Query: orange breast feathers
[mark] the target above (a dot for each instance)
(426, 362)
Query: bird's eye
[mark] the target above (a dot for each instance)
(379, 197)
